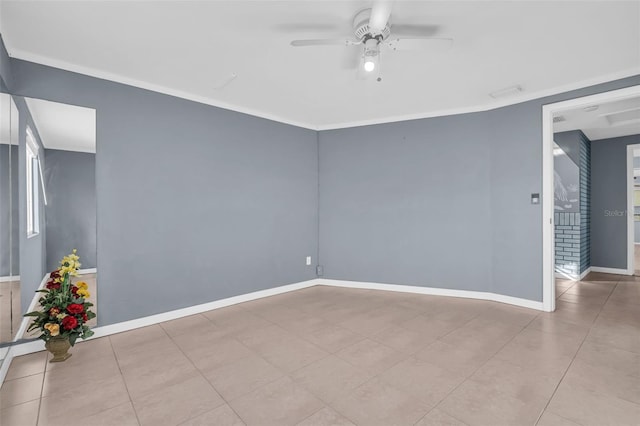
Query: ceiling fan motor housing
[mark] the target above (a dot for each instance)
(361, 27)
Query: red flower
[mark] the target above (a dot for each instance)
(75, 308)
(69, 323)
(74, 291)
(84, 317)
(53, 286)
(55, 274)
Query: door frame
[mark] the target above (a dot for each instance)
(548, 237)
(631, 267)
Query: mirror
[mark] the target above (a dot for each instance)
(56, 197)
(10, 311)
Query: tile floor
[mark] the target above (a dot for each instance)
(334, 356)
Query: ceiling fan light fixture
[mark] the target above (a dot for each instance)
(371, 54)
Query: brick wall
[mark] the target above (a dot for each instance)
(568, 239)
(573, 230)
(585, 202)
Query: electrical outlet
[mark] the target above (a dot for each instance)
(308, 260)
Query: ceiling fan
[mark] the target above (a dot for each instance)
(373, 30)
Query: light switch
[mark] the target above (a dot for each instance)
(535, 198)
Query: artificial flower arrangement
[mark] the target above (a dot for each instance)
(64, 311)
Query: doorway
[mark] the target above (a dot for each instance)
(548, 203)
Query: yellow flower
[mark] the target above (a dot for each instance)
(82, 285)
(83, 292)
(70, 264)
(54, 329)
(61, 316)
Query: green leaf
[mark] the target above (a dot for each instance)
(72, 338)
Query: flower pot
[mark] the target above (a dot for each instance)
(59, 347)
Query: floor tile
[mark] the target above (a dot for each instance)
(280, 403)
(122, 415)
(438, 417)
(457, 360)
(550, 419)
(18, 391)
(325, 417)
(221, 416)
(330, 377)
(215, 353)
(72, 374)
(423, 380)
(292, 354)
(104, 394)
(332, 338)
(243, 376)
(147, 376)
(587, 407)
(604, 379)
(524, 383)
(371, 356)
(191, 324)
(378, 403)
(403, 339)
(25, 414)
(478, 404)
(176, 403)
(623, 362)
(329, 355)
(27, 365)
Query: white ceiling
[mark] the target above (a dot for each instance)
(603, 121)
(191, 49)
(65, 127)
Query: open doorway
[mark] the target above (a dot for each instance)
(633, 206)
(609, 113)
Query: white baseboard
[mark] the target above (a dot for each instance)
(38, 345)
(192, 310)
(586, 272)
(9, 278)
(87, 271)
(566, 276)
(531, 304)
(610, 270)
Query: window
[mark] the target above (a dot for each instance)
(33, 210)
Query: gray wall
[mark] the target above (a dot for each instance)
(233, 199)
(6, 76)
(609, 201)
(195, 203)
(399, 206)
(393, 206)
(9, 254)
(70, 180)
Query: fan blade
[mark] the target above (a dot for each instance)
(380, 13)
(324, 42)
(433, 44)
(409, 30)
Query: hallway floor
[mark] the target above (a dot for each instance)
(336, 356)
